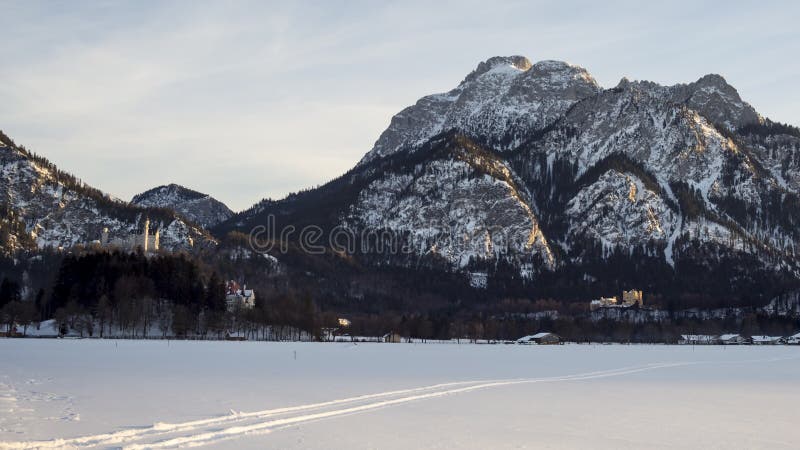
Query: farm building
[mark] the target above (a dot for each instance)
(540, 339)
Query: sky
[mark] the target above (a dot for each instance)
(247, 100)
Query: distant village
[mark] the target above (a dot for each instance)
(737, 339)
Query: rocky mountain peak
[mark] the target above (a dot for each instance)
(714, 80)
(557, 80)
(517, 62)
(716, 100)
(502, 101)
(553, 67)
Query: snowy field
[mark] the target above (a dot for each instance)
(154, 394)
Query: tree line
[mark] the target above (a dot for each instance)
(135, 295)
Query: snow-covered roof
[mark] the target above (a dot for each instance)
(729, 336)
(47, 328)
(766, 338)
(247, 293)
(533, 336)
(698, 337)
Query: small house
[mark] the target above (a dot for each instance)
(767, 340)
(540, 339)
(698, 339)
(235, 336)
(733, 339)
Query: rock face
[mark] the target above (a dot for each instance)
(199, 208)
(619, 210)
(538, 166)
(53, 209)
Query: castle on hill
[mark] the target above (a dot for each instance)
(146, 241)
(631, 298)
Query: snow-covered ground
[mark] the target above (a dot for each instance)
(155, 394)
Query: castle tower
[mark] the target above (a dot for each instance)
(146, 237)
(632, 297)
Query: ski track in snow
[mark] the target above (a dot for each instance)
(238, 424)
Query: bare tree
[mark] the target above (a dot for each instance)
(103, 313)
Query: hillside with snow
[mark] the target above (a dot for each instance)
(197, 207)
(51, 208)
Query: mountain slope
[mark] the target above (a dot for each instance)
(461, 204)
(199, 208)
(544, 172)
(52, 208)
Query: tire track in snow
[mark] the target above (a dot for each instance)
(215, 429)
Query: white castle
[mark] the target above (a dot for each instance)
(145, 241)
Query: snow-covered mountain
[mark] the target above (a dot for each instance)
(50, 208)
(501, 102)
(200, 208)
(538, 166)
